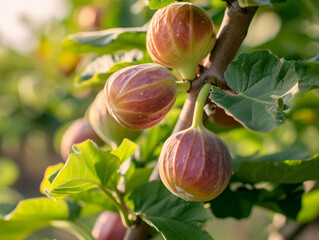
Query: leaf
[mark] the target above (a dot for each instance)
(97, 72)
(239, 203)
(172, 216)
(87, 168)
(283, 167)
(157, 4)
(134, 177)
(310, 207)
(9, 172)
(282, 198)
(125, 150)
(310, 79)
(249, 3)
(260, 79)
(106, 41)
(49, 172)
(33, 214)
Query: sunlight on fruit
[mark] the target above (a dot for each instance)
(263, 28)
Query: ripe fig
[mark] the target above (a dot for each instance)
(140, 96)
(105, 126)
(180, 36)
(79, 131)
(195, 164)
(108, 226)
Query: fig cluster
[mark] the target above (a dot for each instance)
(194, 164)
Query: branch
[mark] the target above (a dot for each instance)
(232, 32)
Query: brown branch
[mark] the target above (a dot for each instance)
(232, 32)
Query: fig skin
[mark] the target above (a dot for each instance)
(109, 226)
(105, 126)
(195, 164)
(140, 96)
(79, 131)
(180, 36)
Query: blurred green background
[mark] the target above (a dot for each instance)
(38, 100)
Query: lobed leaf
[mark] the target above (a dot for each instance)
(261, 81)
(106, 42)
(172, 216)
(310, 79)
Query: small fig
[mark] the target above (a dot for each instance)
(79, 131)
(195, 164)
(105, 126)
(180, 36)
(108, 226)
(140, 96)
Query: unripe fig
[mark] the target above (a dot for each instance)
(180, 36)
(105, 126)
(108, 226)
(79, 131)
(195, 164)
(140, 96)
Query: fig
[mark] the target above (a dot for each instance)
(105, 126)
(195, 164)
(79, 131)
(140, 96)
(180, 36)
(108, 226)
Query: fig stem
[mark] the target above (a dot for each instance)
(120, 207)
(183, 86)
(199, 105)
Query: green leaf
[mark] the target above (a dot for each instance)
(134, 177)
(35, 213)
(87, 168)
(31, 215)
(249, 3)
(310, 207)
(282, 198)
(260, 79)
(157, 4)
(239, 203)
(310, 79)
(125, 150)
(97, 72)
(283, 167)
(107, 41)
(50, 171)
(172, 216)
(9, 172)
